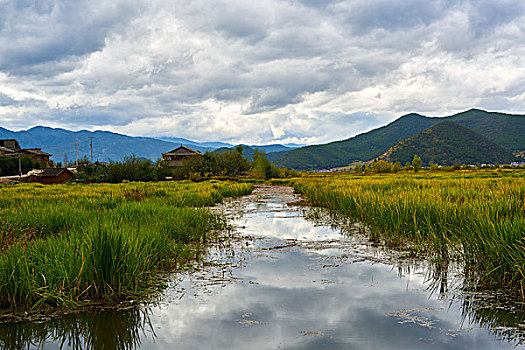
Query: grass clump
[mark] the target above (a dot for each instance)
(66, 244)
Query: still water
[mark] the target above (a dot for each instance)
(289, 278)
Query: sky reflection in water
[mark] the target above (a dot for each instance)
(289, 293)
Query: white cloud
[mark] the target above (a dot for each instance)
(255, 72)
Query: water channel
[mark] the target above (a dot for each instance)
(289, 278)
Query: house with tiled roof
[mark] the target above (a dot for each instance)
(50, 175)
(177, 156)
(11, 148)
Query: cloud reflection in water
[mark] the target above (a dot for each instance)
(294, 296)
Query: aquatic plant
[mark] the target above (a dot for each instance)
(69, 243)
(478, 216)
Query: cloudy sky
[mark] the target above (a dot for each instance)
(304, 71)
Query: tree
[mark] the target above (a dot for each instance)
(382, 166)
(9, 165)
(396, 167)
(262, 168)
(232, 162)
(132, 168)
(416, 163)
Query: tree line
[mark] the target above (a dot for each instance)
(384, 167)
(231, 163)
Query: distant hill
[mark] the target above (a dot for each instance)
(272, 148)
(198, 146)
(106, 145)
(211, 146)
(448, 143)
(503, 129)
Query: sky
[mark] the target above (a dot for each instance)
(256, 72)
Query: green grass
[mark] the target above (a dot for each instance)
(476, 216)
(71, 243)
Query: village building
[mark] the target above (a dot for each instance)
(6, 152)
(11, 148)
(50, 176)
(102, 163)
(9, 145)
(177, 156)
(36, 154)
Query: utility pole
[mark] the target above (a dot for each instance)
(20, 166)
(76, 155)
(91, 146)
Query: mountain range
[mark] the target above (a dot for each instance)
(506, 130)
(400, 140)
(107, 145)
(210, 146)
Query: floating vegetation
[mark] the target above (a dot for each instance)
(312, 334)
(411, 316)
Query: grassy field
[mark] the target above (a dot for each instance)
(64, 244)
(478, 216)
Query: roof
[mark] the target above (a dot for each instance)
(49, 172)
(182, 151)
(37, 151)
(6, 150)
(4, 141)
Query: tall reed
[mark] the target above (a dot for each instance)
(69, 243)
(480, 217)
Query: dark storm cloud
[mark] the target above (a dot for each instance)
(364, 16)
(487, 15)
(6, 100)
(240, 23)
(96, 116)
(270, 99)
(38, 32)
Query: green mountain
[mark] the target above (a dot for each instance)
(507, 130)
(361, 147)
(503, 129)
(448, 143)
